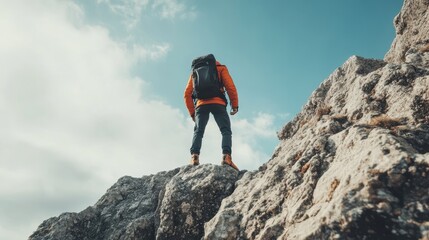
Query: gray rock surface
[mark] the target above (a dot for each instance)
(353, 164)
(191, 199)
(167, 205)
(412, 34)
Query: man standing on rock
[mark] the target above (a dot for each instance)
(205, 94)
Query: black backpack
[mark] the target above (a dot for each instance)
(205, 78)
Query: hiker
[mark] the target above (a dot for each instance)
(205, 94)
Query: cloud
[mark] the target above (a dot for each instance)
(171, 9)
(153, 52)
(131, 10)
(261, 126)
(74, 118)
(249, 136)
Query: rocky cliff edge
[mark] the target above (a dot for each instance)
(353, 164)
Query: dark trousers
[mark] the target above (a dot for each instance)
(202, 114)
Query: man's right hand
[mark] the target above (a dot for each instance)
(233, 111)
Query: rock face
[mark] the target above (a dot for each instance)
(353, 164)
(168, 205)
(412, 34)
(191, 199)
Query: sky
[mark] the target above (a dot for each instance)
(92, 90)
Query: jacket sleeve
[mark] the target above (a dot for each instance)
(189, 102)
(229, 85)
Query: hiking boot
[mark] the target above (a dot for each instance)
(227, 160)
(195, 159)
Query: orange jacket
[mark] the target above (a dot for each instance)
(228, 85)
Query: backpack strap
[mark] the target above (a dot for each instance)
(222, 95)
(219, 75)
